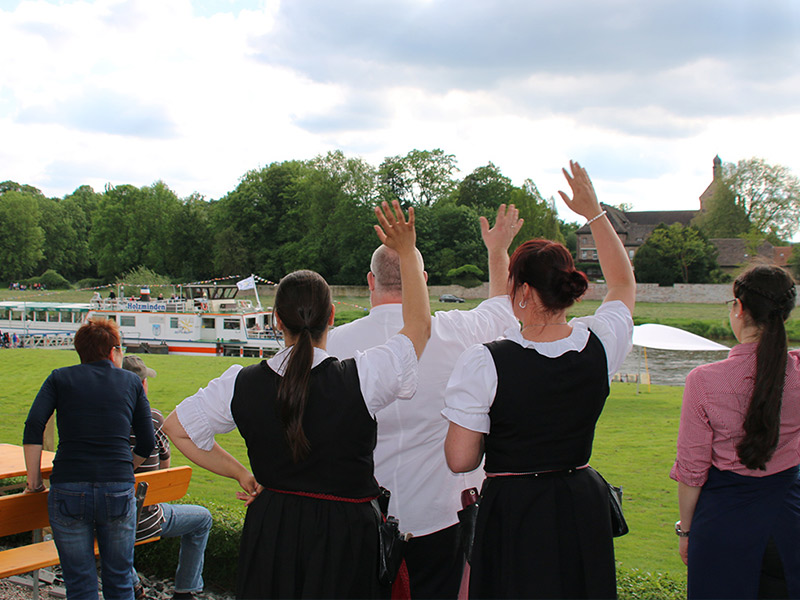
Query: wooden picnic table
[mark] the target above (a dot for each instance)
(12, 462)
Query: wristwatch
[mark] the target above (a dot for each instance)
(680, 532)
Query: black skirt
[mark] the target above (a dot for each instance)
(299, 547)
(544, 537)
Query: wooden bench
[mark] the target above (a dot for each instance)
(28, 512)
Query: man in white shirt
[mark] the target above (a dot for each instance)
(409, 457)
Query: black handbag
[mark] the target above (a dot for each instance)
(392, 543)
(619, 526)
(467, 519)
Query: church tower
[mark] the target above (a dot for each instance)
(716, 176)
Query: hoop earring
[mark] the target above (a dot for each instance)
(521, 305)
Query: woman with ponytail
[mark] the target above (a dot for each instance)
(739, 448)
(530, 403)
(308, 421)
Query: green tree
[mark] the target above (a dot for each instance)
(541, 218)
(190, 237)
(675, 254)
(252, 223)
(420, 178)
(22, 242)
(484, 190)
(449, 237)
(568, 234)
(132, 227)
(768, 194)
(65, 249)
(13, 186)
(723, 217)
(80, 206)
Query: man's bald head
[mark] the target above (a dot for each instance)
(385, 270)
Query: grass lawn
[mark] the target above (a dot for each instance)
(634, 445)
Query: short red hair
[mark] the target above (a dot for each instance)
(95, 340)
(547, 266)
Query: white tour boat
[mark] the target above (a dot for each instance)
(205, 319)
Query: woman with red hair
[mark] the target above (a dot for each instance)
(530, 403)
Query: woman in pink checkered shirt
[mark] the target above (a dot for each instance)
(739, 448)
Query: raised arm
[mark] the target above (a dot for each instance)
(614, 261)
(398, 234)
(497, 240)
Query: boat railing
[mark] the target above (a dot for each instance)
(172, 305)
(264, 334)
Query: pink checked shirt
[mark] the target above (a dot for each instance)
(715, 402)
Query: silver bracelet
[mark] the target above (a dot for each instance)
(593, 219)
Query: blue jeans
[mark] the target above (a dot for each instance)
(78, 513)
(191, 523)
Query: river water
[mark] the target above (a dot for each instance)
(668, 367)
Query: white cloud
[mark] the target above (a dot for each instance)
(198, 92)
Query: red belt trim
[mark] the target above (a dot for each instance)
(330, 497)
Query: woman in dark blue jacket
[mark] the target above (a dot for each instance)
(97, 403)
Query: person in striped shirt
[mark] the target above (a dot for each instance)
(190, 522)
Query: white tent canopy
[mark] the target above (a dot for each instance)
(663, 337)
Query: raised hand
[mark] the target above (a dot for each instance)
(393, 230)
(506, 226)
(584, 200)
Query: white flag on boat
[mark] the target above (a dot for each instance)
(247, 284)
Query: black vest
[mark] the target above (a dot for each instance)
(339, 428)
(545, 409)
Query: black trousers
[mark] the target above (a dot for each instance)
(434, 564)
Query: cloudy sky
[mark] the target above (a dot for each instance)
(643, 92)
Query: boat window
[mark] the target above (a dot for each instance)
(16, 315)
(5, 313)
(173, 322)
(54, 316)
(230, 324)
(209, 323)
(127, 321)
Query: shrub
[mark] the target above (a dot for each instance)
(89, 282)
(160, 559)
(465, 276)
(143, 276)
(52, 280)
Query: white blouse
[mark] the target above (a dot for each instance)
(473, 383)
(386, 373)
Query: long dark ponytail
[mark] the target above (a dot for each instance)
(767, 294)
(303, 304)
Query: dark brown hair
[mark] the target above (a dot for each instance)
(767, 294)
(547, 266)
(95, 340)
(303, 304)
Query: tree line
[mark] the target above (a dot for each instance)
(315, 214)
(318, 214)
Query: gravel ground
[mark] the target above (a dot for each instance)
(155, 589)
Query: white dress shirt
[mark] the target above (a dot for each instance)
(472, 386)
(386, 373)
(409, 457)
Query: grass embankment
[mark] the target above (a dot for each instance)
(634, 448)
